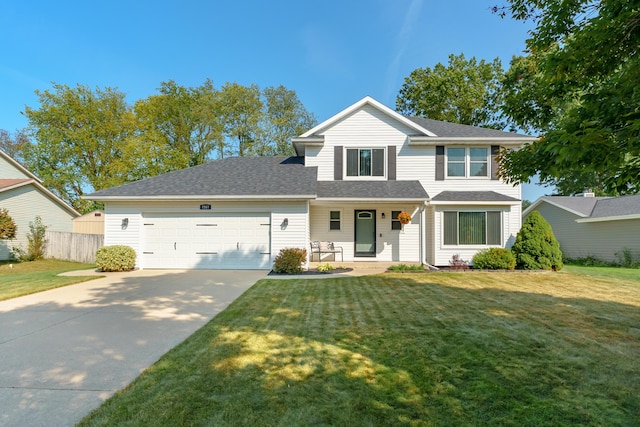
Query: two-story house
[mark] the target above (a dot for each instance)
(352, 176)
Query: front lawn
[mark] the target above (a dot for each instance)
(404, 349)
(18, 279)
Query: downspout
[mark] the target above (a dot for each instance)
(423, 240)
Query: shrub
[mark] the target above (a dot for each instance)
(116, 258)
(324, 267)
(290, 261)
(457, 263)
(8, 227)
(405, 267)
(36, 242)
(536, 248)
(494, 259)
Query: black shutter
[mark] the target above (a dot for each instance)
(495, 150)
(439, 162)
(337, 163)
(391, 163)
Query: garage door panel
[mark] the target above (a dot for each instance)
(206, 241)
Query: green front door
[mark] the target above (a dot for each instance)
(365, 234)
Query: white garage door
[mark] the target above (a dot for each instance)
(207, 241)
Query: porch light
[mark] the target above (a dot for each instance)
(125, 223)
(382, 215)
(284, 224)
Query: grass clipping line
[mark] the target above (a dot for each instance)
(395, 350)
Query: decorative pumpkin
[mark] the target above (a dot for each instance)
(404, 217)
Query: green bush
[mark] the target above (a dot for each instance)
(8, 227)
(36, 242)
(494, 259)
(290, 261)
(116, 258)
(536, 248)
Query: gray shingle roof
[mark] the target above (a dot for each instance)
(233, 176)
(617, 206)
(582, 205)
(473, 196)
(449, 130)
(376, 190)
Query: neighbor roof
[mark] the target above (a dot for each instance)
(372, 190)
(246, 177)
(7, 184)
(591, 209)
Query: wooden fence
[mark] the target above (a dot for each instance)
(73, 246)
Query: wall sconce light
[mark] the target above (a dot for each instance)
(382, 215)
(284, 224)
(125, 223)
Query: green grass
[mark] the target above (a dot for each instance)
(525, 349)
(18, 279)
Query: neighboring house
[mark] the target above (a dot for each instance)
(24, 196)
(89, 223)
(352, 175)
(588, 226)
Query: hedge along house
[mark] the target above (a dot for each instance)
(352, 176)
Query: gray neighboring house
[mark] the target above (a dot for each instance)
(351, 177)
(588, 226)
(24, 196)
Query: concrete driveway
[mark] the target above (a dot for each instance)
(64, 351)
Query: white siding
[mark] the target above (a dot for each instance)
(24, 204)
(601, 240)
(9, 171)
(391, 245)
(443, 253)
(293, 235)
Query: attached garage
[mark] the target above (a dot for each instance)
(206, 241)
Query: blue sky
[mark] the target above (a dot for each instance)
(332, 53)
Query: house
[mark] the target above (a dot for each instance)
(89, 223)
(352, 175)
(588, 226)
(24, 196)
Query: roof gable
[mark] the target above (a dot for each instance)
(366, 101)
(10, 168)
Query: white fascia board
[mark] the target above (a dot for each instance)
(300, 144)
(367, 200)
(450, 140)
(201, 197)
(475, 203)
(370, 101)
(18, 185)
(610, 218)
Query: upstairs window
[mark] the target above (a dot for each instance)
(471, 162)
(365, 162)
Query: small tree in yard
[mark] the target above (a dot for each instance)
(8, 227)
(536, 247)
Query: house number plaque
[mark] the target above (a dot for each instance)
(205, 207)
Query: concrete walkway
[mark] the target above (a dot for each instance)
(64, 351)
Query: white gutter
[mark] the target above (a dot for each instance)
(610, 218)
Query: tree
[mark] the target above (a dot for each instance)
(464, 91)
(536, 247)
(14, 145)
(8, 227)
(240, 109)
(183, 123)
(285, 117)
(84, 141)
(578, 88)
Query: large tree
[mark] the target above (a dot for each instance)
(83, 140)
(578, 86)
(464, 91)
(15, 144)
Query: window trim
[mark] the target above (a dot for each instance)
(332, 220)
(385, 159)
(467, 163)
(486, 224)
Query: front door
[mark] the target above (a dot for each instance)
(365, 235)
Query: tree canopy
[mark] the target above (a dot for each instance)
(577, 87)
(85, 139)
(464, 91)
